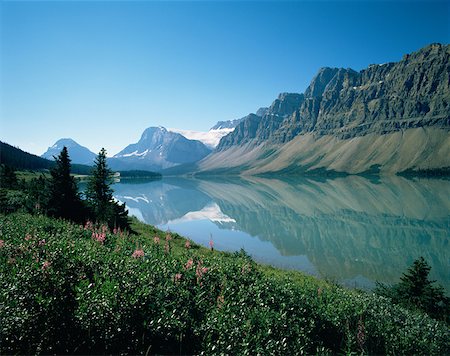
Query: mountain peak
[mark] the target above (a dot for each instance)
(159, 148)
(77, 153)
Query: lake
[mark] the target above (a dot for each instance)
(351, 230)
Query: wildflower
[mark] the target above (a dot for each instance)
(2, 243)
(168, 237)
(100, 237)
(187, 245)
(177, 277)
(245, 269)
(361, 336)
(46, 265)
(189, 264)
(138, 253)
(200, 271)
(156, 240)
(220, 301)
(28, 237)
(319, 291)
(166, 247)
(88, 225)
(211, 243)
(41, 242)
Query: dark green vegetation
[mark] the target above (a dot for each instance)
(18, 159)
(59, 196)
(416, 291)
(68, 288)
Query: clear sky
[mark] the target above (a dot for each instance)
(101, 72)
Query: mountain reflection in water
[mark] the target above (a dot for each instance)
(352, 230)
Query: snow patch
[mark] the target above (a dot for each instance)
(210, 212)
(210, 138)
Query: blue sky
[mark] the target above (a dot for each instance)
(102, 72)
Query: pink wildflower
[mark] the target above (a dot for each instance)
(45, 265)
(189, 264)
(28, 237)
(187, 245)
(138, 253)
(100, 237)
(167, 247)
(156, 240)
(88, 225)
(168, 237)
(177, 277)
(245, 269)
(220, 301)
(2, 243)
(200, 271)
(41, 242)
(211, 243)
(361, 336)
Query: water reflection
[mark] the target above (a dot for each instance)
(353, 230)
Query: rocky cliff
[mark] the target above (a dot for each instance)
(346, 108)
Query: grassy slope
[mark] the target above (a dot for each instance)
(65, 292)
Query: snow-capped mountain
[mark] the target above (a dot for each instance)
(77, 153)
(158, 149)
(210, 138)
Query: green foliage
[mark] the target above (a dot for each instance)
(416, 291)
(8, 178)
(64, 200)
(84, 289)
(99, 195)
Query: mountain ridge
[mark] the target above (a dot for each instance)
(338, 109)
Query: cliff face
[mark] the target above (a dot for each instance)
(343, 104)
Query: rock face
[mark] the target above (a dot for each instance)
(343, 104)
(158, 149)
(77, 153)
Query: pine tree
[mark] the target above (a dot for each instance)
(416, 291)
(64, 200)
(8, 178)
(99, 195)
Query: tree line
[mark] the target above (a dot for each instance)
(16, 158)
(58, 196)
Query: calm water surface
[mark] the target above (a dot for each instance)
(351, 230)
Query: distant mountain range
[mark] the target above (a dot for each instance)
(387, 118)
(157, 149)
(78, 154)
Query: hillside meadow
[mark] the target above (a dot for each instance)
(83, 289)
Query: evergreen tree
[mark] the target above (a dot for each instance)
(64, 200)
(99, 195)
(416, 291)
(8, 178)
